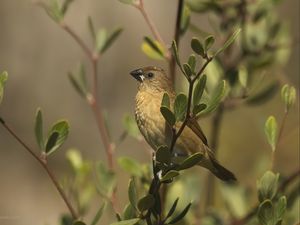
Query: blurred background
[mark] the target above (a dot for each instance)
(38, 54)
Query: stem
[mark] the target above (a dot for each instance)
(154, 30)
(95, 104)
(79, 41)
(188, 111)
(42, 160)
(172, 62)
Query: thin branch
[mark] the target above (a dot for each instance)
(188, 111)
(79, 41)
(140, 6)
(42, 160)
(172, 62)
(95, 104)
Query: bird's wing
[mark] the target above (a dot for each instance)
(194, 126)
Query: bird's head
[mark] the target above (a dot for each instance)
(152, 79)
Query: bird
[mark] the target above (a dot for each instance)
(153, 83)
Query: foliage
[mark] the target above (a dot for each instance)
(220, 73)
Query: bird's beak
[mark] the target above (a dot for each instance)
(138, 74)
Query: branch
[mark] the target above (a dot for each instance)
(140, 6)
(43, 162)
(95, 104)
(172, 62)
(188, 111)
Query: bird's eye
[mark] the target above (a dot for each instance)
(150, 75)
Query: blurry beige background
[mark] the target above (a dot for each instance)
(38, 54)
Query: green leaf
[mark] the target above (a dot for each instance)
(169, 175)
(39, 129)
(107, 179)
(175, 54)
(181, 215)
(79, 82)
(99, 214)
(76, 85)
(153, 49)
(265, 213)
(168, 115)
(129, 212)
(101, 38)
(62, 130)
(230, 40)
(127, 222)
(280, 208)
(132, 193)
(172, 209)
(271, 131)
(187, 69)
(192, 62)
(243, 76)
(163, 154)
(3, 79)
(112, 37)
(288, 95)
(208, 42)
(199, 108)
(53, 10)
(199, 89)
(75, 159)
(180, 107)
(131, 166)
(66, 6)
(267, 186)
(185, 19)
(216, 98)
(130, 126)
(197, 47)
(191, 161)
(146, 202)
(263, 95)
(92, 28)
(51, 142)
(165, 100)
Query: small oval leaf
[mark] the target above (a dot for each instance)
(146, 202)
(197, 47)
(191, 161)
(180, 107)
(168, 115)
(199, 89)
(38, 128)
(271, 131)
(169, 175)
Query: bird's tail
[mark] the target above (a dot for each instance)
(218, 170)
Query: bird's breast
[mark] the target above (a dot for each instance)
(149, 119)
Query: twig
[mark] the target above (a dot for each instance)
(95, 104)
(140, 6)
(172, 62)
(79, 41)
(188, 111)
(43, 162)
